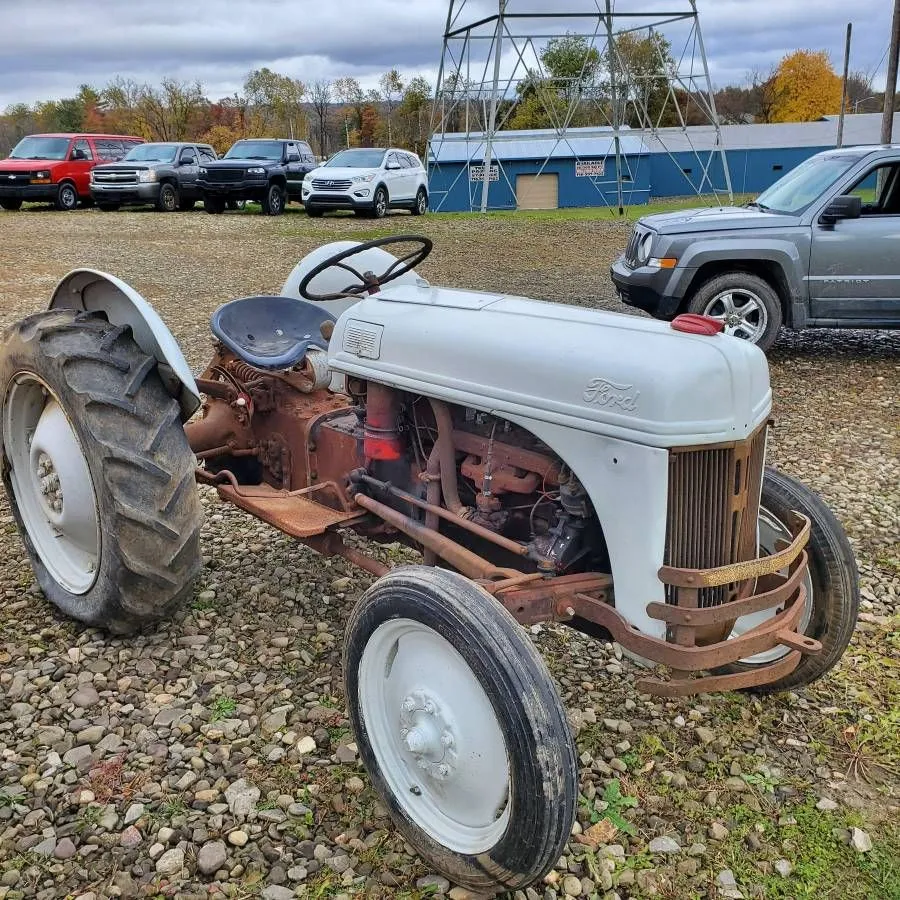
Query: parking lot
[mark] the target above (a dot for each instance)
(761, 796)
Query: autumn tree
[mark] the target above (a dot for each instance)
(571, 62)
(369, 125)
(414, 113)
(320, 98)
(349, 94)
(276, 104)
(391, 86)
(805, 88)
(642, 66)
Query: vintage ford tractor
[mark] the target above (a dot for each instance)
(551, 463)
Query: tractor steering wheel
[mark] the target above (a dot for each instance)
(368, 281)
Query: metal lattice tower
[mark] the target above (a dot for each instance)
(492, 49)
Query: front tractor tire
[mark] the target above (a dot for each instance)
(98, 470)
(747, 305)
(832, 584)
(460, 728)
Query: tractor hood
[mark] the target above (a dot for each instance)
(719, 218)
(618, 375)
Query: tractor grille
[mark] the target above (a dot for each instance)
(328, 184)
(713, 509)
(12, 178)
(221, 176)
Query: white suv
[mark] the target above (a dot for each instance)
(370, 181)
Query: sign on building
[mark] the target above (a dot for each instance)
(476, 173)
(590, 168)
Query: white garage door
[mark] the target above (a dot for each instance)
(537, 191)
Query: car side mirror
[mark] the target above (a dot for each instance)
(845, 206)
(78, 154)
(188, 161)
(293, 157)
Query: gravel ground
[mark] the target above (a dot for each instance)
(213, 755)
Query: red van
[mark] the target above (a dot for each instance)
(56, 168)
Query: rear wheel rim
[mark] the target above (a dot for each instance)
(770, 530)
(422, 202)
(435, 736)
(380, 204)
(52, 483)
(742, 312)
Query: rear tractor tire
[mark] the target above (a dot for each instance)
(832, 584)
(98, 470)
(460, 728)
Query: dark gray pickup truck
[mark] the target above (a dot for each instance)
(164, 174)
(820, 248)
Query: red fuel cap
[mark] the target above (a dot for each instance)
(692, 323)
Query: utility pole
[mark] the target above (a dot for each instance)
(840, 134)
(890, 87)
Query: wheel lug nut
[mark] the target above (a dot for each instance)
(447, 739)
(443, 770)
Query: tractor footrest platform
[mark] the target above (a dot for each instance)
(294, 512)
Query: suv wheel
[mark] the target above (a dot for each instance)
(747, 305)
(167, 200)
(380, 203)
(67, 197)
(421, 205)
(273, 205)
(214, 205)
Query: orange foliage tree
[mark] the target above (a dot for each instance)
(805, 88)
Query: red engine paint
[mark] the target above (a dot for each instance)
(692, 323)
(382, 439)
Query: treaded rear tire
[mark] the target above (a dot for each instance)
(835, 581)
(543, 783)
(138, 457)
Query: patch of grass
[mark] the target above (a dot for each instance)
(89, 818)
(171, 807)
(222, 708)
(823, 865)
(607, 213)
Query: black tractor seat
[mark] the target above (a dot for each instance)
(270, 332)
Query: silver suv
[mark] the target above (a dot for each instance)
(368, 180)
(819, 248)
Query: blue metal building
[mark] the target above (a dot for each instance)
(543, 169)
(536, 169)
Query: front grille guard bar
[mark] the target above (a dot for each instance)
(682, 652)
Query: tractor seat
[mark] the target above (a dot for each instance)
(270, 332)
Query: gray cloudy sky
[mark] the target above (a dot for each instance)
(49, 47)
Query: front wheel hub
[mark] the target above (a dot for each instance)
(428, 735)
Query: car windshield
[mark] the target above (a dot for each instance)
(152, 153)
(255, 150)
(41, 148)
(805, 184)
(357, 159)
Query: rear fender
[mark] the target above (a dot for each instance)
(333, 280)
(95, 291)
